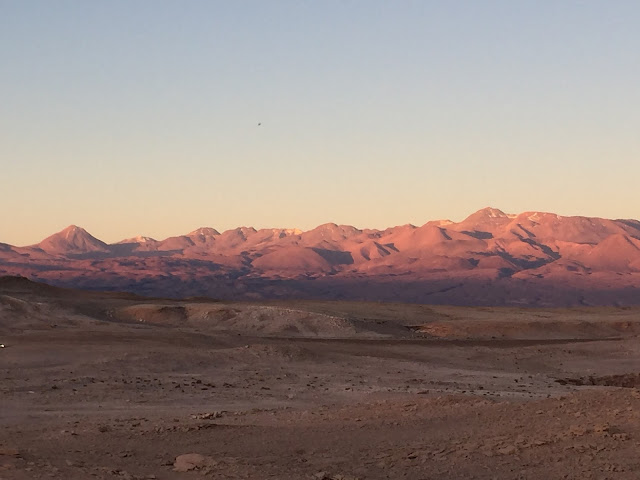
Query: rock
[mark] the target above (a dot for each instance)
(207, 416)
(192, 461)
(508, 450)
(9, 452)
(602, 429)
(578, 430)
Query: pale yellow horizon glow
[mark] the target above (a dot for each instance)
(130, 120)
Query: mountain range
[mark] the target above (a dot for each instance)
(490, 258)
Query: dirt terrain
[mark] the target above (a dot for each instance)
(114, 386)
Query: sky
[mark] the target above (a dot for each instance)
(155, 117)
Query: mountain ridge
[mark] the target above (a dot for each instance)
(489, 249)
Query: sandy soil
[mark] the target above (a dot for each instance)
(112, 386)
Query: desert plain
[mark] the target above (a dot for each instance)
(116, 386)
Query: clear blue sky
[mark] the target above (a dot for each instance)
(141, 117)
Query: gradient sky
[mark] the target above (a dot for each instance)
(141, 117)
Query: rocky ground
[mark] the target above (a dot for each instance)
(112, 386)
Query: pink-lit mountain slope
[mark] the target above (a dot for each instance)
(490, 258)
(72, 241)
